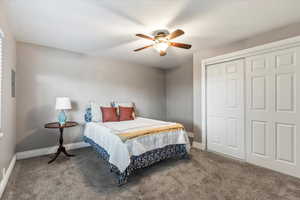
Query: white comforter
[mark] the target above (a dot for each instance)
(105, 135)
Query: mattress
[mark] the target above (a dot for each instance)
(106, 136)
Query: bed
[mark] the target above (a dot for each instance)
(130, 145)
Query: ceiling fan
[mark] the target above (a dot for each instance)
(161, 39)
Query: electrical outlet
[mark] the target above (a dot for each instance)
(1, 135)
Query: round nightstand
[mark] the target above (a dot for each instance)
(61, 148)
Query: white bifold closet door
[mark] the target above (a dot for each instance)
(225, 108)
(273, 110)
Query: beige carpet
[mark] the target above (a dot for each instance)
(206, 176)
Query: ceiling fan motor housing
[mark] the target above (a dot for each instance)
(160, 33)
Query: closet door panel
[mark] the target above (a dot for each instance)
(272, 110)
(225, 108)
(259, 135)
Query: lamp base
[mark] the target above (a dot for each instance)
(62, 118)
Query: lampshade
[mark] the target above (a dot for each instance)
(63, 103)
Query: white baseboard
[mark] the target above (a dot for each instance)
(197, 145)
(48, 150)
(5, 179)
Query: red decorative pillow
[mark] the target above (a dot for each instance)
(126, 113)
(109, 114)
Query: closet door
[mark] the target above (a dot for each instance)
(272, 115)
(225, 108)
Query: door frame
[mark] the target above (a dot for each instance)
(262, 49)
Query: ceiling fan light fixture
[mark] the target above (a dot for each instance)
(161, 46)
(161, 41)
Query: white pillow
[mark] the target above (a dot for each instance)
(116, 104)
(96, 111)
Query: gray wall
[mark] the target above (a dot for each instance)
(7, 143)
(45, 73)
(270, 36)
(179, 95)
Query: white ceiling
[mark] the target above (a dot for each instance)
(108, 27)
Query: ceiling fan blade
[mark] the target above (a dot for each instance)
(143, 48)
(145, 36)
(162, 53)
(175, 34)
(180, 45)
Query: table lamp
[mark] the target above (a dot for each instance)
(62, 104)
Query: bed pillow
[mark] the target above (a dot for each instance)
(116, 104)
(96, 112)
(109, 114)
(126, 113)
(88, 115)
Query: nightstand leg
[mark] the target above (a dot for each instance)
(66, 153)
(56, 155)
(61, 148)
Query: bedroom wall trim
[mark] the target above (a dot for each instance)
(258, 50)
(48, 150)
(6, 176)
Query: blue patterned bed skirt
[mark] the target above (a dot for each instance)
(144, 160)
